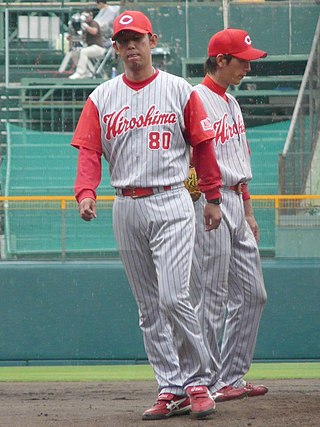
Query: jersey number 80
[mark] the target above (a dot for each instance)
(159, 140)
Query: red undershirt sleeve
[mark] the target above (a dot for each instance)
(198, 127)
(88, 131)
(207, 168)
(245, 192)
(88, 174)
(200, 135)
(87, 138)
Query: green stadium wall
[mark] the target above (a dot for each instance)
(84, 313)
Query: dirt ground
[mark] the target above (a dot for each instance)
(288, 404)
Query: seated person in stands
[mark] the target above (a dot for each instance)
(92, 46)
(105, 18)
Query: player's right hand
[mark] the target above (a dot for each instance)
(212, 216)
(87, 209)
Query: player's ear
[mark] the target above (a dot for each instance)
(115, 47)
(220, 60)
(153, 40)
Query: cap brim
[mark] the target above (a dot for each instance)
(135, 29)
(250, 54)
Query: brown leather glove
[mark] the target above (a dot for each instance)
(191, 184)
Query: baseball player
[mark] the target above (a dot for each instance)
(143, 122)
(226, 278)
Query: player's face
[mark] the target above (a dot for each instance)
(236, 70)
(135, 49)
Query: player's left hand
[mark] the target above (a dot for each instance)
(84, 26)
(212, 216)
(87, 209)
(254, 226)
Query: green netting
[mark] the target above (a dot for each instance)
(45, 164)
(42, 163)
(299, 155)
(266, 143)
(31, 231)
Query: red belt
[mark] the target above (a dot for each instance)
(237, 188)
(137, 192)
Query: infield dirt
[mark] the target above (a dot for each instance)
(289, 403)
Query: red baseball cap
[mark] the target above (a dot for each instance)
(132, 20)
(236, 43)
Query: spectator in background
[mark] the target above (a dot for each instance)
(105, 18)
(93, 46)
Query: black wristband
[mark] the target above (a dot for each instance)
(215, 201)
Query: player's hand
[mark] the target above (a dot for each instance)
(254, 226)
(87, 209)
(212, 216)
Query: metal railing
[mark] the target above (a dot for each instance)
(38, 227)
(295, 161)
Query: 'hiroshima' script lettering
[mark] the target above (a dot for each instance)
(118, 123)
(224, 131)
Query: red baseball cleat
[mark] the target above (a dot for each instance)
(255, 390)
(201, 402)
(166, 406)
(229, 393)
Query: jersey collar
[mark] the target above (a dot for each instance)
(140, 85)
(212, 85)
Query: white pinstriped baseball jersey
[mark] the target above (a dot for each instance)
(231, 145)
(226, 280)
(142, 131)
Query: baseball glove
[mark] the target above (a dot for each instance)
(191, 184)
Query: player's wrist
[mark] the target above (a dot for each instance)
(216, 201)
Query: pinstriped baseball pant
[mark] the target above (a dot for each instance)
(155, 237)
(227, 289)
